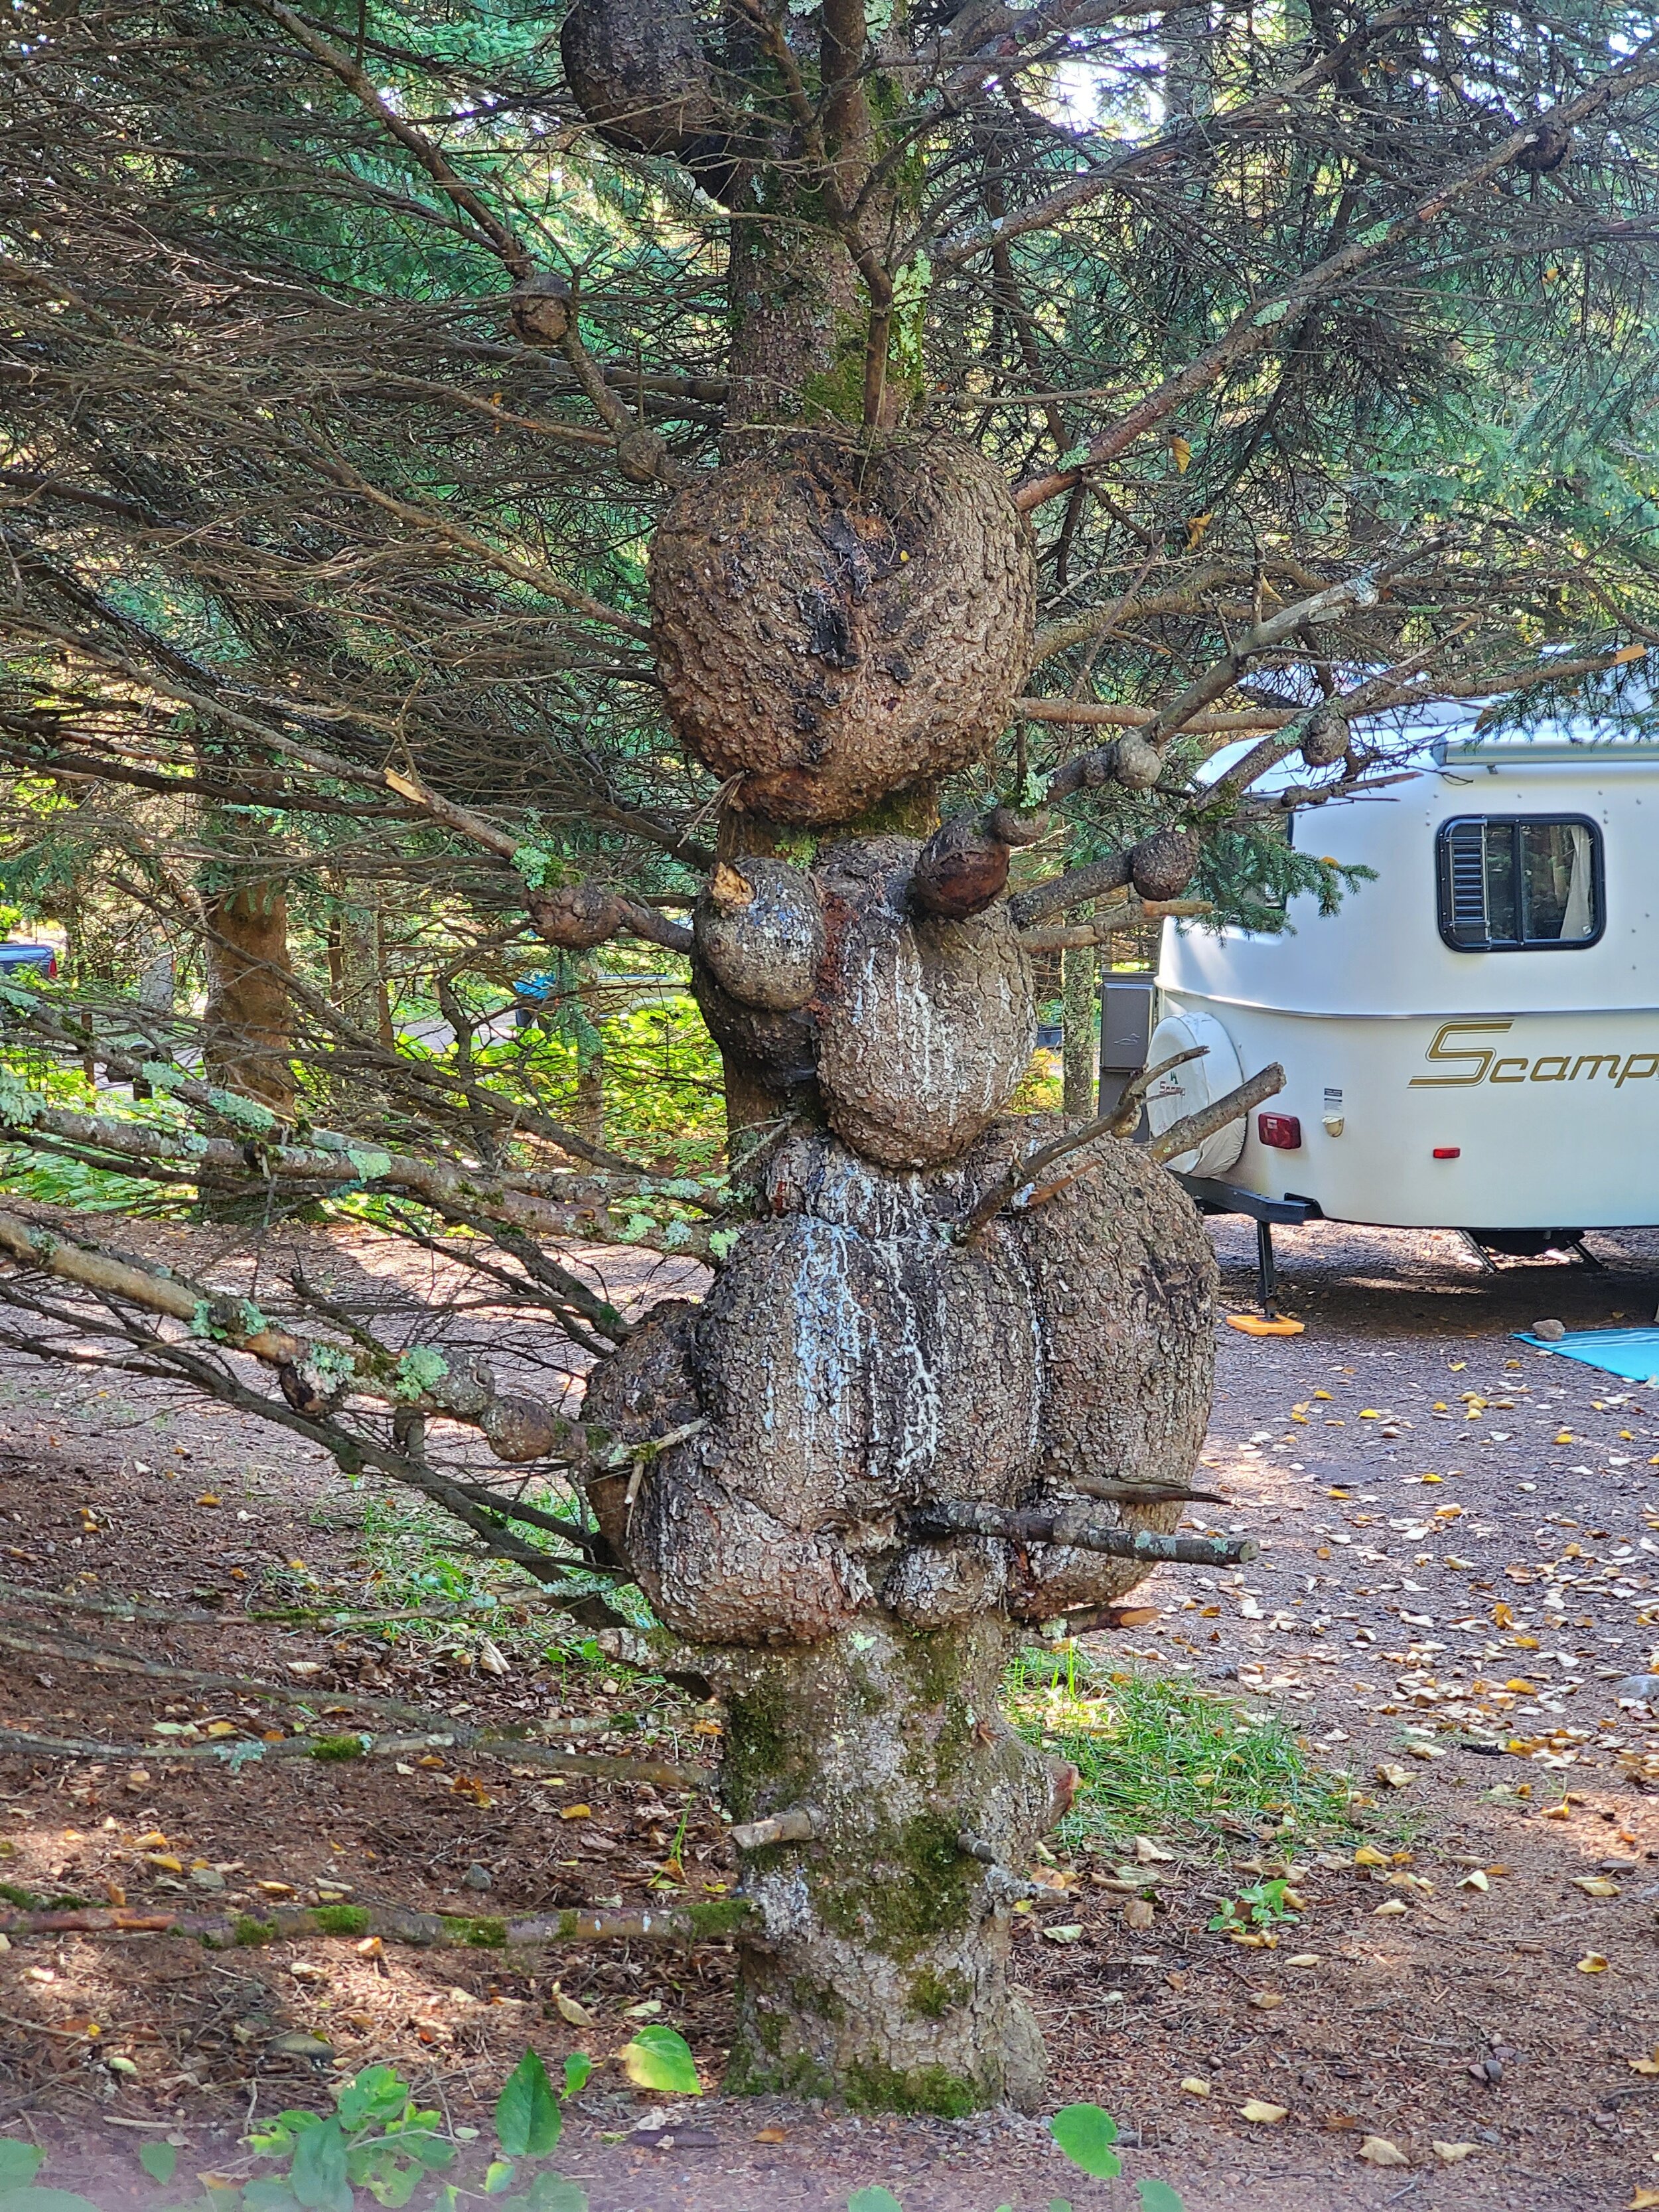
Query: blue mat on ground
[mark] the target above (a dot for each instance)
(1631, 1353)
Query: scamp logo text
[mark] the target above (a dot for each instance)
(1454, 1045)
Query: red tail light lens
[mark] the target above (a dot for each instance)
(1448, 1151)
(1282, 1131)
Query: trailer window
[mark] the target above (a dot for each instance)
(1515, 882)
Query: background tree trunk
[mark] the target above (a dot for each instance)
(1079, 969)
(360, 979)
(248, 1017)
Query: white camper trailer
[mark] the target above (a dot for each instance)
(1473, 1040)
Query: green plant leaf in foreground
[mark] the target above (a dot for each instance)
(317, 2177)
(528, 2121)
(1086, 2133)
(26, 2198)
(158, 2160)
(548, 2193)
(660, 2058)
(19, 2162)
(873, 2200)
(1158, 2197)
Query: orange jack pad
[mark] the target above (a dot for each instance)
(1258, 1325)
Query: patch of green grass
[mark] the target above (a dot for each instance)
(1160, 1756)
(411, 1554)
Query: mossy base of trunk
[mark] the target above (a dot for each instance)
(881, 1971)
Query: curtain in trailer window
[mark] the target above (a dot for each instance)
(1578, 912)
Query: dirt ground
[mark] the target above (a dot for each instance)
(1484, 1619)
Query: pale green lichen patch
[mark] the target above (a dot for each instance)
(418, 1373)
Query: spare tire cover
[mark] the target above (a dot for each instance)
(1193, 1086)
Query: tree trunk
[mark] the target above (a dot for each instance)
(882, 1972)
(587, 1113)
(837, 619)
(1078, 971)
(248, 1018)
(357, 969)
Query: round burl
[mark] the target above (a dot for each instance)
(759, 932)
(926, 1026)
(832, 625)
(1124, 1279)
(641, 76)
(855, 1361)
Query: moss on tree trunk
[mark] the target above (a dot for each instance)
(881, 1971)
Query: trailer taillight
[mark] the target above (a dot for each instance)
(1448, 1151)
(1282, 1131)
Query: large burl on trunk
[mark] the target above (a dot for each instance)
(853, 1364)
(832, 624)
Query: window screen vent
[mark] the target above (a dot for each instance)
(1466, 856)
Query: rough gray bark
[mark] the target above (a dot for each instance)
(880, 1971)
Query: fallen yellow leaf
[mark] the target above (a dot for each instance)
(165, 1861)
(1474, 1880)
(1368, 1855)
(572, 2009)
(773, 2136)
(1557, 1812)
(1304, 1959)
(1261, 2114)
(1592, 1963)
(1391, 1910)
(1395, 1776)
(1071, 1932)
(1265, 2000)
(1378, 2151)
(1596, 1885)
(576, 1812)
(207, 1497)
(1644, 2065)
(1194, 2088)
(1184, 454)
(1645, 2200)
(1452, 2154)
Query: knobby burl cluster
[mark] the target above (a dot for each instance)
(834, 627)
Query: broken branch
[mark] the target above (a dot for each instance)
(1185, 1135)
(947, 1517)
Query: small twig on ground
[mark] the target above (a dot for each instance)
(393, 1923)
(490, 1743)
